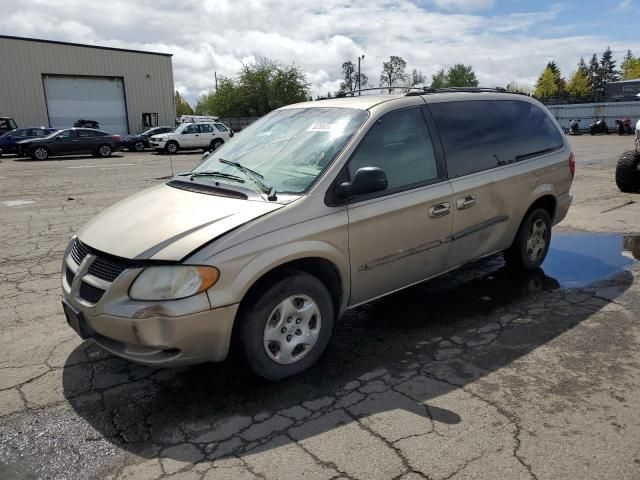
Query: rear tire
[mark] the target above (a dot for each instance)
(531, 244)
(284, 328)
(628, 172)
(217, 143)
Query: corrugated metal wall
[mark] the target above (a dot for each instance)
(588, 113)
(148, 78)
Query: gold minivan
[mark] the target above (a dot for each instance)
(316, 208)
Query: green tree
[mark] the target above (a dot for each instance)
(260, 87)
(546, 86)
(557, 77)
(579, 85)
(607, 72)
(630, 67)
(182, 106)
(439, 79)
(459, 75)
(393, 73)
(350, 78)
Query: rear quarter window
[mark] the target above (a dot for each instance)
(480, 135)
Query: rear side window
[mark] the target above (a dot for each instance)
(206, 128)
(483, 134)
(221, 127)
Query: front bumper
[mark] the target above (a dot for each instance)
(165, 334)
(158, 144)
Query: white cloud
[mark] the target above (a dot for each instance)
(464, 5)
(207, 36)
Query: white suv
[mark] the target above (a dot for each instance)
(189, 136)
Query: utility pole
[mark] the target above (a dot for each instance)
(359, 82)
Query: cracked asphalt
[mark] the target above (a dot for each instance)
(481, 373)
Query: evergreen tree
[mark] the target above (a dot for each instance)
(557, 77)
(594, 74)
(608, 72)
(582, 67)
(630, 67)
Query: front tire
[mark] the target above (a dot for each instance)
(284, 328)
(40, 153)
(104, 150)
(172, 147)
(531, 244)
(138, 146)
(628, 172)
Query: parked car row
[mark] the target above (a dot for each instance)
(42, 142)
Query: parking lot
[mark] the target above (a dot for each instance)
(481, 373)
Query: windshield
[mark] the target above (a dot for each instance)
(289, 148)
(154, 131)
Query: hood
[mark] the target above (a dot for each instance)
(166, 223)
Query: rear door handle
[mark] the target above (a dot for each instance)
(439, 210)
(467, 201)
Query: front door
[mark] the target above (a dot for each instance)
(64, 143)
(399, 236)
(190, 137)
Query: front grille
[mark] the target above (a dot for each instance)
(79, 251)
(90, 293)
(107, 269)
(70, 275)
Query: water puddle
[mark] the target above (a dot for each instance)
(578, 259)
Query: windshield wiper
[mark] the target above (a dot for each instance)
(212, 173)
(266, 188)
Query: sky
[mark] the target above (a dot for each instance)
(504, 40)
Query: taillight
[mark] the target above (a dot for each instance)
(572, 164)
(116, 138)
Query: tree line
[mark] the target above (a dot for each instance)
(265, 85)
(589, 80)
(394, 75)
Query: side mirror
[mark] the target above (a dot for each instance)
(365, 180)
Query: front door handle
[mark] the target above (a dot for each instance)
(439, 210)
(467, 201)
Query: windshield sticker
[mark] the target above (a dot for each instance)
(322, 127)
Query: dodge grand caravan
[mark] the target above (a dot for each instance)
(314, 209)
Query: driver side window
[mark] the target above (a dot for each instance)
(66, 134)
(399, 144)
(191, 129)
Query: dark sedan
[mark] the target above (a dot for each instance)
(72, 141)
(9, 140)
(140, 141)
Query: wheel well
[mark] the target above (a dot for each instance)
(322, 269)
(547, 202)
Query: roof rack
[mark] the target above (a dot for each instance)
(427, 90)
(352, 92)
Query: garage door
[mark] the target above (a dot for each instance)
(88, 98)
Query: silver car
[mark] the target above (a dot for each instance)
(316, 208)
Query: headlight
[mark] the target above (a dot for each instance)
(172, 282)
